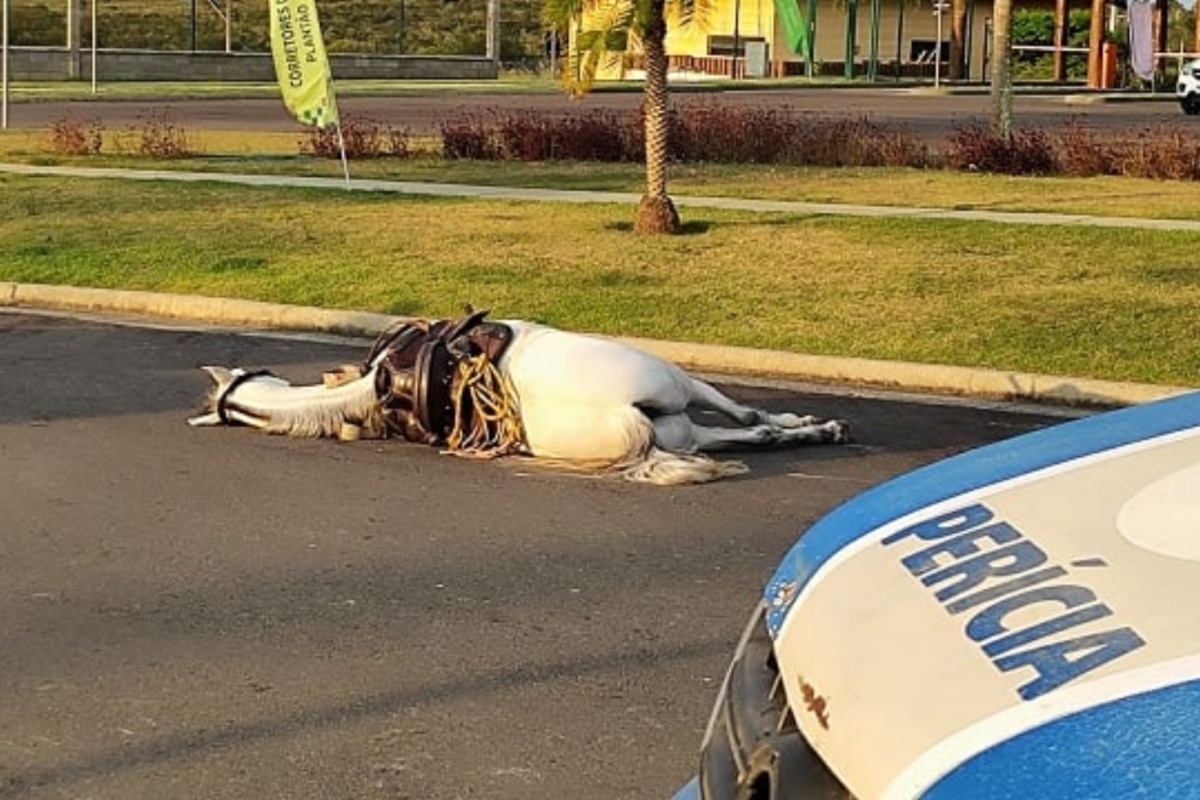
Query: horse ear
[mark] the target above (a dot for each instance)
(220, 375)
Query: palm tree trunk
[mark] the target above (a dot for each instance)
(656, 213)
(958, 40)
(1002, 69)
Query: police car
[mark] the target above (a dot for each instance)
(1187, 87)
(1018, 621)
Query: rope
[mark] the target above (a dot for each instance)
(487, 420)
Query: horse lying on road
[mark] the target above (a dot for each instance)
(483, 388)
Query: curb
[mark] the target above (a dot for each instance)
(744, 362)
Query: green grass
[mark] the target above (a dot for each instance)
(1087, 302)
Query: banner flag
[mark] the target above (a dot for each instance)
(301, 65)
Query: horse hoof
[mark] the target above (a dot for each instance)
(767, 434)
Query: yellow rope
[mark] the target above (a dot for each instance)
(487, 421)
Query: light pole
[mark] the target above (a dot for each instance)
(938, 9)
(95, 3)
(4, 67)
(493, 32)
(737, 24)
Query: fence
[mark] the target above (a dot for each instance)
(61, 64)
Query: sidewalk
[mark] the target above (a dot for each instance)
(712, 359)
(626, 198)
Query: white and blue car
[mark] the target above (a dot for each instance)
(1019, 621)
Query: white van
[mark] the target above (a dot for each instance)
(1187, 87)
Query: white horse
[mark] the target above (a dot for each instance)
(574, 400)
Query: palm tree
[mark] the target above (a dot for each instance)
(958, 40)
(604, 30)
(1002, 69)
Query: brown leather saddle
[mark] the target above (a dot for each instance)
(417, 361)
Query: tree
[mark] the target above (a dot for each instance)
(605, 30)
(958, 40)
(1002, 69)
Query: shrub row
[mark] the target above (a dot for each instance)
(1164, 151)
(708, 132)
(697, 132)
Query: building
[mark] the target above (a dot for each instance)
(873, 39)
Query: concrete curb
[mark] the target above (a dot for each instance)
(193, 308)
(717, 359)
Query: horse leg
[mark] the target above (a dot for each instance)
(706, 396)
(679, 434)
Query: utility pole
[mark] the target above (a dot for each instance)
(4, 67)
(74, 36)
(939, 9)
(737, 24)
(493, 32)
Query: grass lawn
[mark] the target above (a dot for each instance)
(1089, 302)
(1104, 303)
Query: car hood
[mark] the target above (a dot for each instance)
(1019, 619)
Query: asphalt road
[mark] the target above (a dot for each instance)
(932, 116)
(215, 613)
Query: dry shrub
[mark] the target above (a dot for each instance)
(712, 132)
(1166, 152)
(855, 142)
(468, 136)
(529, 136)
(525, 136)
(363, 137)
(1024, 152)
(156, 136)
(1081, 154)
(599, 136)
(74, 137)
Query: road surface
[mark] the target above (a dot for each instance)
(933, 117)
(216, 613)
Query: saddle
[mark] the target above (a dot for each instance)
(418, 365)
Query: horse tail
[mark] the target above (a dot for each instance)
(664, 468)
(649, 463)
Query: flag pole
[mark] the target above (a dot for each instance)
(342, 148)
(4, 68)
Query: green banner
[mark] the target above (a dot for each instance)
(795, 28)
